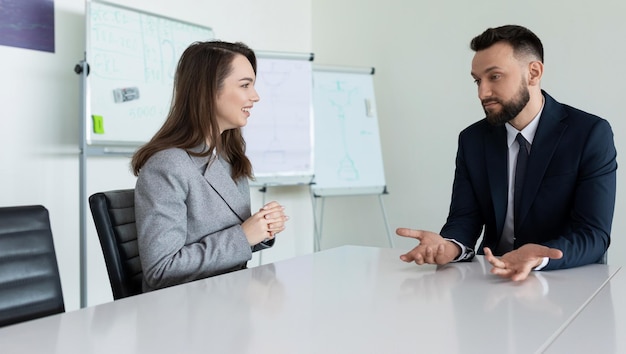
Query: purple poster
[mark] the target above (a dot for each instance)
(27, 24)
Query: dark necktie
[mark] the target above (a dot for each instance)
(520, 172)
(507, 241)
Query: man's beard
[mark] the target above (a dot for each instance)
(509, 109)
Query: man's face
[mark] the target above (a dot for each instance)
(502, 87)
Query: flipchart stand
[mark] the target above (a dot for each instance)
(85, 150)
(318, 217)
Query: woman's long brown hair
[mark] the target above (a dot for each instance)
(199, 77)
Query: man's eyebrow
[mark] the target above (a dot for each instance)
(491, 68)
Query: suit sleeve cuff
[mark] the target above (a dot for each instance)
(544, 263)
(466, 252)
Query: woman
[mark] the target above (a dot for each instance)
(192, 200)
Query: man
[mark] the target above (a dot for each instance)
(560, 214)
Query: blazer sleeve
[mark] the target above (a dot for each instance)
(464, 222)
(170, 253)
(263, 245)
(591, 217)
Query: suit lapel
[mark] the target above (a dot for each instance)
(496, 156)
(218, 176)
(545, 142)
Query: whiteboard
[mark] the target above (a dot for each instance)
(132, 57)
(279, 132)
(348, 156)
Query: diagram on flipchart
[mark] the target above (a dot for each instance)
(279, 131)
(341, 99)
(347, 147)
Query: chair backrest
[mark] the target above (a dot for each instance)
(114, 217)
(30, 284)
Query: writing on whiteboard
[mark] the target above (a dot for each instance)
(132, 49)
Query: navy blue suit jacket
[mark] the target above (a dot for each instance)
(568, 193)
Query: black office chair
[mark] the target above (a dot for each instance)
(30, 284)
(114, 216)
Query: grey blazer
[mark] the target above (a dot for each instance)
(188, 215)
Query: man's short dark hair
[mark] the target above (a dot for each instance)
(523, 41)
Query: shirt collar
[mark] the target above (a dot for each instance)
(528, 132)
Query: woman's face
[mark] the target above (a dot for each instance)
(237, 95)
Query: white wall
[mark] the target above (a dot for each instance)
(425, 96)
(425, 93)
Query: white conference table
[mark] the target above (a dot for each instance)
(350, 299)
(601, 326)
